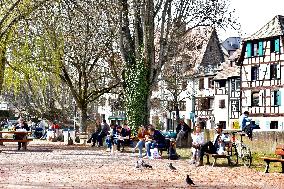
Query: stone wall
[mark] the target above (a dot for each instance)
(263, 141)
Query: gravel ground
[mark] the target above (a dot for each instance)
(54, 165)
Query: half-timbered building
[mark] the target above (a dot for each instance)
(262, 75)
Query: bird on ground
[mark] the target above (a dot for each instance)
(189, 181)
(172, 167)
(146, 165)
(137, 165)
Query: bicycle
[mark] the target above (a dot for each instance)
(240, 150)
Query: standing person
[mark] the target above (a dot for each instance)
(142, 133)
(197, 141)
(55, 128)
(182, 130)
(110, 137)
(213, 147)
(105, 129)
(21, 125)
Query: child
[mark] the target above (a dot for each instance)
(172, 150)
(197, 141)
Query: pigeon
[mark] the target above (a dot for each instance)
(172, 167)
(189, 181)
(146, 165)
(137, 165)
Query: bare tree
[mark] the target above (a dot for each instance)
(74, 41)
(141, 22)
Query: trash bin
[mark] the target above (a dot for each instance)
(68, 136)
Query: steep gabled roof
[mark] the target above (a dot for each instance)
(227, 71)
(272, 29)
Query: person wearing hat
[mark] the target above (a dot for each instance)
(213, 147)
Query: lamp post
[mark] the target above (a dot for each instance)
(173, 121)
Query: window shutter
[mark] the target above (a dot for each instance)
(248, 98)
(267, 125)
(277, 45)
(260, 98)
(248, 49)
(279, 98)
(260, 48)
(278, 71)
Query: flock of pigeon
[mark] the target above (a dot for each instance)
(142, 164)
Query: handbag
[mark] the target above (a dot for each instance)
(196, 146)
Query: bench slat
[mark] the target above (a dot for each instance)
(272, 159)
(13, 140)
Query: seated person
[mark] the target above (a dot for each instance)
(21, 125)
(110, 137)
(197, 141)
(214, 147)
(142, 133)
(155, 139)
(247, 125)
(182, 130)
(172, 150)
(94, 137)
(123, 136)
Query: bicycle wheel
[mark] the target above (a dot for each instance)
(246, 156)
(234, 156)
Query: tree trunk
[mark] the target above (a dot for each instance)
(2, 66)
(83, 119)
(137, 96)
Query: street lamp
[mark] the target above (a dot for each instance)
(173, 121)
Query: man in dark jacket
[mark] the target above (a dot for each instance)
(182, 130)
(21, 125)
(103, 133)
(156, 139)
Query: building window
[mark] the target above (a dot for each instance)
(238, 84)
(273, 71)
(254, 73)
(255, 99)
(206, 103)
(201, 83)
(210, 83)
(222, 103)
(223, 123)
(222, 83)
(274, 125)
(255, 49)
(182, 105)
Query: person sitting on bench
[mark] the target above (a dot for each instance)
(123, 137)
(155, 140)
(21, 125)
(218, 144)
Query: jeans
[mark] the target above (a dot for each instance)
(140, 146)
(109, 142)
(207, 147)
(150, 145)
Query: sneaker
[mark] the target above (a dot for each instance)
(192, 161)
(108, 150)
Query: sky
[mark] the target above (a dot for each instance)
(253, 14)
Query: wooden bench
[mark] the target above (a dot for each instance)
(16, 140)
(216, 156)
(278, 151)
(228, 150)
